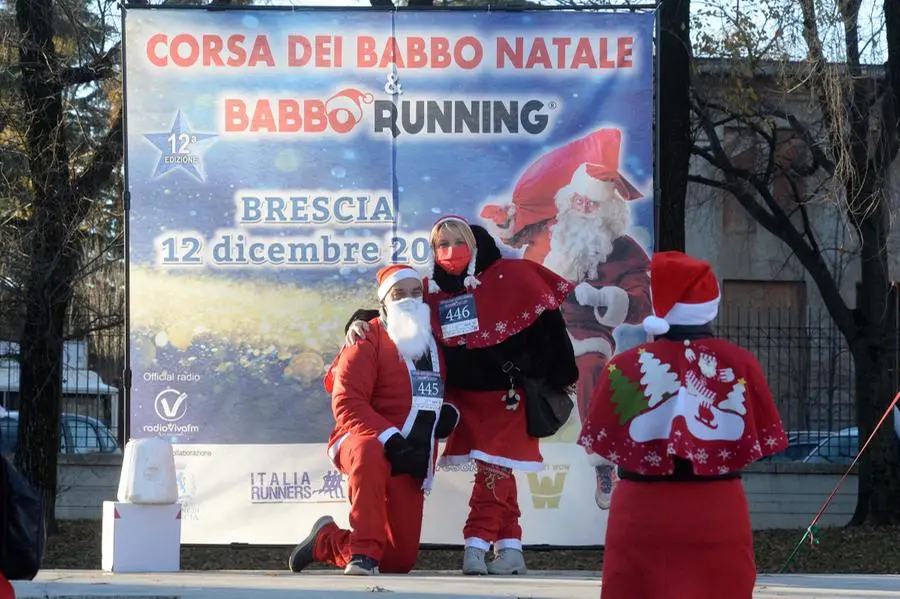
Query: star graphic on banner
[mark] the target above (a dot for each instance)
(178, 147)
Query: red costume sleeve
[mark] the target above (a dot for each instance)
(352, 380)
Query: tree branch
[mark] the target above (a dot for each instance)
(742, 184)
(100, 167)
(103, 67)
(802, 130)
(816, 57)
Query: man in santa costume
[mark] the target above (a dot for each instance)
(680, 417)
(387, 394)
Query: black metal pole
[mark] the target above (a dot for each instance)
(657, 185)
(125, 391)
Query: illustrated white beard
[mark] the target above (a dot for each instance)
(579, 244)
(409, 330)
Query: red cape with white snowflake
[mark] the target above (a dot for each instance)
(705, 400)
(511, 296)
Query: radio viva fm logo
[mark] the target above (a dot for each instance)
(547, 487)
(170, 405)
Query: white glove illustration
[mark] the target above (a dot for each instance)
(588, 295)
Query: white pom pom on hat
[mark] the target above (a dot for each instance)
(683, 291)
(656, 325)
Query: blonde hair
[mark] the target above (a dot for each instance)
(454, 226)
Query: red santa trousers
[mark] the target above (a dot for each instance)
(493, 509)
(6, 589)
(678, 540)
(385, 512)
(498, 440)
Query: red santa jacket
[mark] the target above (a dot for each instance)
(371, 391)
(704, 400)
(627, 267)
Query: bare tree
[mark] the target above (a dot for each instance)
(62, 196)
(840, 154)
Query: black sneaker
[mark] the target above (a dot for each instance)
(302, 555)
(361, 565)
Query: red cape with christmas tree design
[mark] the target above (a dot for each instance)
(704, 400)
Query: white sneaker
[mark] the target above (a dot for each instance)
(473, 561)
(507, 561)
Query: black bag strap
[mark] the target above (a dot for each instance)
(506, 366)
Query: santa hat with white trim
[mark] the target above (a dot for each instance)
(391, 275)
(683, 291)
(470, 281)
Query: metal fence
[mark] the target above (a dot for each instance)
(806, 360)
(92, 402)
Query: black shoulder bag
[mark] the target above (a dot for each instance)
(547, 409)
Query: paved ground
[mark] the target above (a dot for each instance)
(72, 584)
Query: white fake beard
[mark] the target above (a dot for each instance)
(410, 331)
(579, 244)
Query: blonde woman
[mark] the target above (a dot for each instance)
(494, 317)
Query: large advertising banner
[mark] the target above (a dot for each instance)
(277, 159)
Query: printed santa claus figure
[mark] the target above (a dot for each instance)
(528, 220)
(590, 247)
(681, 417)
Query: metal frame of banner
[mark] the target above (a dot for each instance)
(125, 403)
(483, 8)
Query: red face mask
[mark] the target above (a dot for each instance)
(454, 259)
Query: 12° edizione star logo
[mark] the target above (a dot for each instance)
(181, 148)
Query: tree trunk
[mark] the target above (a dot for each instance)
(53, 253)
(875, 360)
(674, 121)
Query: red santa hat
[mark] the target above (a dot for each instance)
(391, 275)
(533, 197)
(470, 281)
(683, 291)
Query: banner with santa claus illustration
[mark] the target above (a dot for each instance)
(276, 160)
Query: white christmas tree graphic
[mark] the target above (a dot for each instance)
(659, 382)
(735, 400)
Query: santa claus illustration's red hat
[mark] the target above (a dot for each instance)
(683, 290)
(589, 177)
(391, 275)
(534, 193)
(470, 281)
